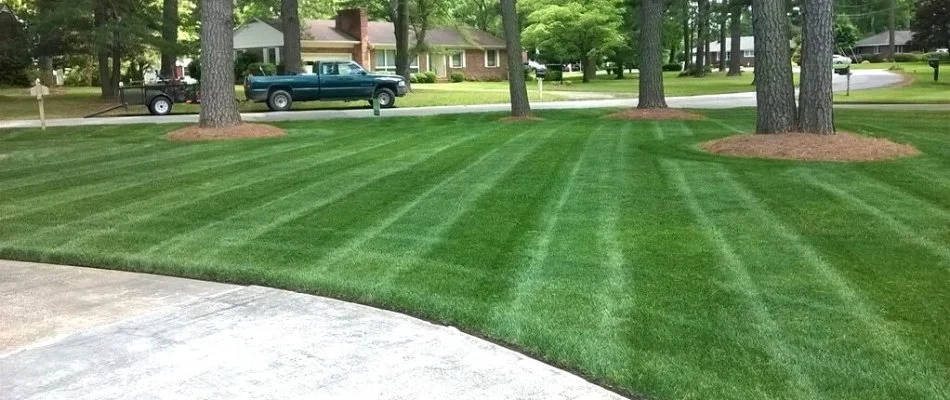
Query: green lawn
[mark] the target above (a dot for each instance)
(79, 102)
(616, 249)
(920, 89)
(674, 85)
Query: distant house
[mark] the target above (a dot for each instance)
(879, 44)
(351, 36)
(746, 51)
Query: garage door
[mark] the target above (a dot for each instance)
(313, 57)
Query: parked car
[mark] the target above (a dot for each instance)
(332, 80)
(839, 61)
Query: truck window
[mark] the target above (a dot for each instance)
(329, 69)
(350, 68)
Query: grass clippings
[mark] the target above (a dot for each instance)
(242, 131)
(656, 114)
(841, 147)
(515, 120)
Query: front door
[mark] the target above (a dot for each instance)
(442, 71)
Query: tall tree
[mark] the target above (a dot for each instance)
(520, 107)
(290, 25)
(891, 30)
(931, 25)
(735, 41)
(401, 26)
(651, 55)
(218, 106)
(815, 100)
(702, 39)
(774, 89)
(169, 37)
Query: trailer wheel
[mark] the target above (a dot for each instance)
(386, 98)
(160, 105)
(279, 100)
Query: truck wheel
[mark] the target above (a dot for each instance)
(160, 105)
(386, 98)
(279, 100)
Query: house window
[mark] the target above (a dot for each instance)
(386, 61)
(491, 58)
(457, 59)
(748, 54)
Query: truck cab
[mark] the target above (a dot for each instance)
(331, 81)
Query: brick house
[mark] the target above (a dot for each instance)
(746, 51)
(351, 36)
(880, 44)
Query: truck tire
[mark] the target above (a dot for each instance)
(160, 105)
(385, 97)
(279, 100)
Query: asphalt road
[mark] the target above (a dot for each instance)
(861, 79)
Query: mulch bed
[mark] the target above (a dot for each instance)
(515, 120)
(841, 147)
(242, 131)
(656, 114)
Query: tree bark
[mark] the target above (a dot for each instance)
(100, 20)
(774, 88)
(722, 44)
(702, 38)
(590, 67)
(290, 25)
(891, 27)
(815, 100)
(218, 106)
(116, 65)
(170, 38)
(651, 55)
(46, 71)
(520, 107)
(401, 32)
(687, 38)
(735, 45)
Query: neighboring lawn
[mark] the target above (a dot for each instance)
(674, 85)
(613, 248)
(888, 65)
(920, 89)
(79, 102)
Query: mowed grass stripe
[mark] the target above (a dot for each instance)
(298, 204)
(770, 334)
(904, 359)
(196, 193)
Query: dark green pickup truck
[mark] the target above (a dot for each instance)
(331, 81)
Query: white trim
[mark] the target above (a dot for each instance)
(391, 67)
(452, 54)
(497, 58)
(312, 57)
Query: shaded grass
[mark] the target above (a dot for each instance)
(615, 248)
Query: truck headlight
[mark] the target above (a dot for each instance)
(402, 83)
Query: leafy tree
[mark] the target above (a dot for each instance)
(218, 108)
(774, 89)
(575, 30)
(520, 107)
(846, 33)
(481, 14)
(651, 55)
(815, 101)
(931, 25)
(14, 56)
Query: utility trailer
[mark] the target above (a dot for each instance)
(157, 97)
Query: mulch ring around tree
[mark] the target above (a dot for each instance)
(841, 147)
(656, 114)
(515, 120)
(242, 131)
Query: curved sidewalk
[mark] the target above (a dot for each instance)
(81, 333)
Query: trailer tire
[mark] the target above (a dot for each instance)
(279, 100)
(160, 105)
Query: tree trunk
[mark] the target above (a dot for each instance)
(170, 38)
(46, 71)
(673, 51)
(290, 24)
(774, 88)
(100, 19)
(520, 107)
(735, 52)
(618, 73)
(651, 55)
(218, 106)
(815, 100)
(687, 38)
(891, 27)
(116, 66)
(702, 38)
(722, 45)
(402, 39)
(590, 67)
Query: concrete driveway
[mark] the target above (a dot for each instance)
(79, 333)
(862, 79)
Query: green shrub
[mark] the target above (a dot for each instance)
(865, 62)
(430, 77)
(906, 57)
(194, 69)
(413, 78)
(242, 62)
(876, 58)
(255, 69)
(943, 57)
(674, 67)
(457, 77)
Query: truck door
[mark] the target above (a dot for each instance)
(333, 85)
(361, 85)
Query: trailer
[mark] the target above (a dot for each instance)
(158, 97)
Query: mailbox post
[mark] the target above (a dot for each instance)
(39, 91)
(540, 74)
(935, 64)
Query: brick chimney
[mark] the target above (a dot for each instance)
(355, 22)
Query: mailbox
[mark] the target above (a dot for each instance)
(935, 64)
(540, 73)
(844, 71)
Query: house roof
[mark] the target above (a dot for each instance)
(883, 39)
(323, 30)
(382, 33)
(746, 43)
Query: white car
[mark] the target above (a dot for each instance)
(839, 61)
